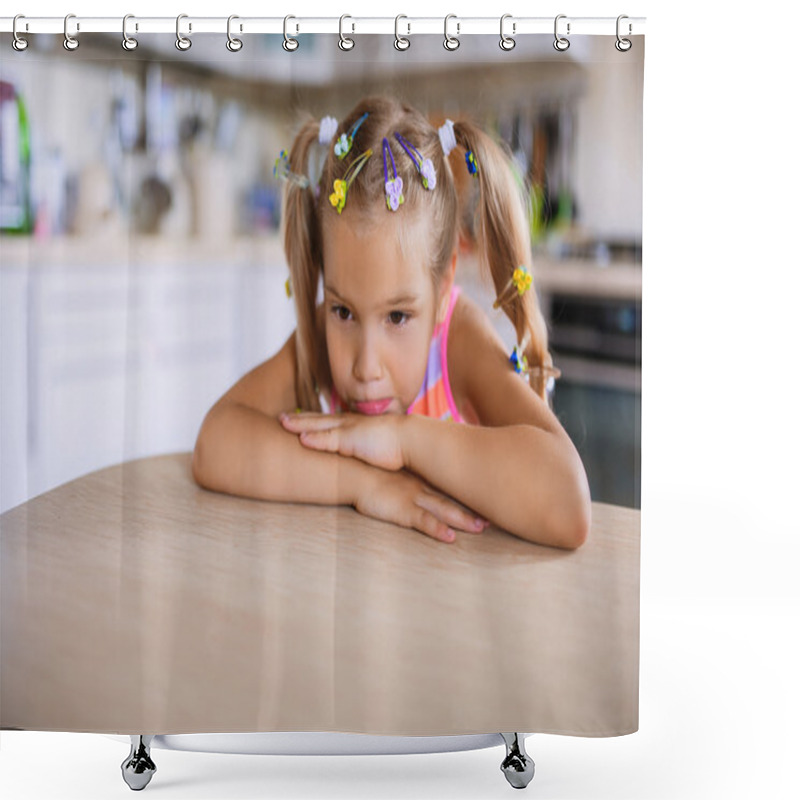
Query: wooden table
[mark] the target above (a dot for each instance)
(133, 601)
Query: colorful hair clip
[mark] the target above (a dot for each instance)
(339, 196)
(345, 143)
(281, 170)
(447, 136)
(424, 165)
(521, 280)
(288, 286)
(393, 187)
(327, 129)
(519, 360)
(472, 164)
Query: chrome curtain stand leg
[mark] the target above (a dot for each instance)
(517, 766)
(138, 768)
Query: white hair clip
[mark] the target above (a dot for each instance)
(447, 136)
(327, 129)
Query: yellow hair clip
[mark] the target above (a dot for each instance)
(521, 280)
(339, 196)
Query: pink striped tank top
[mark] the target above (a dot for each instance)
(435, 398)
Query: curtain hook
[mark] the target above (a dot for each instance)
(70, 42)
(507, 42)
(128, 42)
(344, 42)
(400, 42)
(19, 44)
(451, 42)
(623, 45)
(233, 44)
(182, 42)
(289, 43)
(561, 44)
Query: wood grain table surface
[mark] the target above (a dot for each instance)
(134, 601)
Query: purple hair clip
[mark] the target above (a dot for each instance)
(424, 165)
(394, 187)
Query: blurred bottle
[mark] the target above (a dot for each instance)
(16, 214)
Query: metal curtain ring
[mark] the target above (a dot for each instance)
(182, 42)
(561, 44)
(506, 42)
(400, 42)
(128, 42)
(344, 42)
(70, 42)
(19, 43)
(623, 45)
(451, 42)
(233, 44)
(289, 44)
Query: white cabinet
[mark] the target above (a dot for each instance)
(108, 362)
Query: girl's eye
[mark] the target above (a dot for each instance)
(398, 318)
(341, 312)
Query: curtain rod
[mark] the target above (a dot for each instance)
(452, 26)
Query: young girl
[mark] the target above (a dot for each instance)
(395, 353)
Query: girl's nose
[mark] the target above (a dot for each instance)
(367, 364)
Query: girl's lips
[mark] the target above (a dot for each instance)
(373, 407)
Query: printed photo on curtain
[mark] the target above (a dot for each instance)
(321, 391)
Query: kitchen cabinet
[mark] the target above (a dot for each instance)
(110, 359)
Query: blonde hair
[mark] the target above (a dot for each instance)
(503, 236)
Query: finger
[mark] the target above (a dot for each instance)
(450, 513)
(321, 440)
(428, 524)
(309, 422)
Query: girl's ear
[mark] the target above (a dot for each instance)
(446, 285)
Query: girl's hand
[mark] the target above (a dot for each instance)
(405, 499)
(375, 440)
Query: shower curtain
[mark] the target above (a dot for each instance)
(143, 274)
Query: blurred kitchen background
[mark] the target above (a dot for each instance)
(141, 272)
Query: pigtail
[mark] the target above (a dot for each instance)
(300, 231)
(503, 239)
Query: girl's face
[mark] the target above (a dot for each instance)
(380, 311)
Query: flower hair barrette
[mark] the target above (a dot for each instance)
(281, 170)
(339, 196)
(345, 142)
(521, 281)
(393, 187)
(519, 360)
(424, 165)
(472, 163)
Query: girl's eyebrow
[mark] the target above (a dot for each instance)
(406, 298)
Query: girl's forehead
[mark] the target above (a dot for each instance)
(369, 265)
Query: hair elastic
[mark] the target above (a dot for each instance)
(345, 142)
(339, 196)
(521, 280)
(393, 187)
(447, 136)
(424, 165)
(281, 170)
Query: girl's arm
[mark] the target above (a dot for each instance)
(242, 449)
(519, 468)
